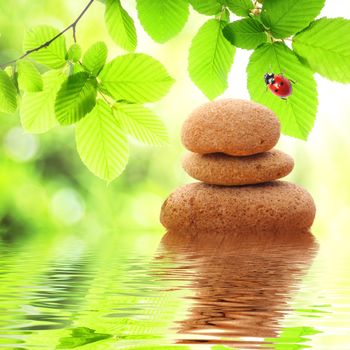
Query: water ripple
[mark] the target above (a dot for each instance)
(243, 292)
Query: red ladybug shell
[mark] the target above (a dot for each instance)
(281, 86)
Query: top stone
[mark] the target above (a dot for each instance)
(234, 127)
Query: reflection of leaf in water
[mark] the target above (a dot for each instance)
(293, 335)
(312, 312)
(138, 337)
(159, 347)
(81, 336)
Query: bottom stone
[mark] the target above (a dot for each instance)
(275, 206)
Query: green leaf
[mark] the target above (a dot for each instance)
(120, 25)
(297, 114)
(54, 55)
(29, 78)
(211, 58)
(74, 53)
(95, 58)
(76, 68)
(141, 123)
(162, 20)
(246, 33)
(325, 45)
(206, 7)
(8, 94)
(81, 336)
(101, 144)
(135, 78)
(9, 70)
(240, 7)
(288, 17)
(38, 108)
(76, 98)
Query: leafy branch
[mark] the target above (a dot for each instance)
(47, 43)
(104, 100)
(317, 46)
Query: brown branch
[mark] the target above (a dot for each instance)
(71, 26)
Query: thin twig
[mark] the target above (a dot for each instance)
(71, 26)
(74, 34)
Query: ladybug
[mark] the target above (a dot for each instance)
(278, 85)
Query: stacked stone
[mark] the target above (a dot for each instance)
(231, 153)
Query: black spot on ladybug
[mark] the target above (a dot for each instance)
(281, 83)
(276, 90)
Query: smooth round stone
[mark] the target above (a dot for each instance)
(222, 169)
(276, 206)
(234, 127)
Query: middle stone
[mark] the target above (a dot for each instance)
(222, 169)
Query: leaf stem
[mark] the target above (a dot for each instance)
(256, 11)
(222, 13)
(44, 45)
(105, 98)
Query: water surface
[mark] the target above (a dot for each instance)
(139, 291)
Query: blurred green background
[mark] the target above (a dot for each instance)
(45, 190)
(44, 184)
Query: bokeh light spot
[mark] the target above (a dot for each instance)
(67, 206)
(21, 146)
